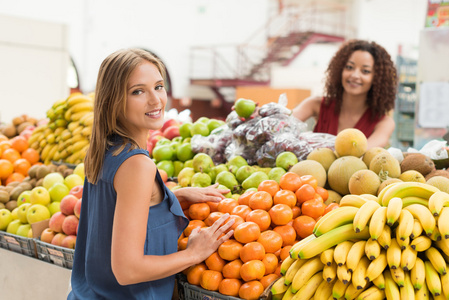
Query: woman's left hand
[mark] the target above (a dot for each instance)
(201, 194)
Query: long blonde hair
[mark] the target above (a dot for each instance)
(110, 102)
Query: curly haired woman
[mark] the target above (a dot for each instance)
(360, 92)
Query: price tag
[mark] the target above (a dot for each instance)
(12, 240)
(58, 261)
(55, 252)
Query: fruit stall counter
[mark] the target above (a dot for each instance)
(24, 277)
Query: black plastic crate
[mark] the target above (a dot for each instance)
(17, 243)
(60, 256)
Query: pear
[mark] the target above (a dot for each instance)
(228, 179)
(243, 172)
(244, 107)
(201, 180)
(184, 152)
(254, 180)
(235, 163)
(222, 187)
(188, 163)
(167, 166)
(216, 170)
(202, 163)
(178, 166)
(276, 173)
(185, 176)
(286, 160)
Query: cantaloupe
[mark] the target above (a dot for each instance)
(387, 182)
(385, 165)
(440, 182)
(370, 153)
(351, 142)
(325, 156)
(364, 182)
(341, 171)
(310, 167)
(333, 197)
(412, 175)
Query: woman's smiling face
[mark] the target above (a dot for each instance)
(358, 73)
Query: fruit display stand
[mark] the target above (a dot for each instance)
(60, 256)
(22, 245)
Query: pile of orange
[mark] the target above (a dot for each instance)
(268, 222)
(16, 158)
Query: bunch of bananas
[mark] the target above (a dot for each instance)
(66, 136)
(394, 246)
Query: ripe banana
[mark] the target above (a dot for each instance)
(341, 252)
(443, 245)
(379, 281)
(437, 260)
(286, 263)
(408, 258)
(377, 222)
(76, 99)
(296, 247)
(417, 229)
(443, 222)
(394, 255)
(372, 293)
(421, 243)
(327, 256)
(393, 210)
(330, 272)
(433, 280)
(423, 293)
(407, 291)
(84, 106)
(418, 274)
(343, 274)
(307, 270)
(352, 292)
(437, 201)
(423, 214)
(279, 286)
(364, 214)
(358, 275)
(75, 117)
(288, 295)
(334, 219)
(356, 252)
(376, 267)
(436, 235)
(445, 284)
(339, 289)
(406, 189)
(372, 249)
(391, 288)
(352, 200)
(324, 290)
(398, 276)
(327, 240)
(405, 225)
(406, 201)
(309, 288)
(384, 239)
(292, 270)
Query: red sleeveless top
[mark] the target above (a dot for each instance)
(328, 120)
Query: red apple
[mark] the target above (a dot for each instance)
(171, 184)
(57, 240)
(77, 191)
(170, 122)
(150, 147)
(56, 221)
(154, 139)
(47, 235)
(153, 133)
(68, 204)
(77, 209)
(69, 242)
(171, 132)
(69, 225)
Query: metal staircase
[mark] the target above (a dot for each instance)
(278, 42)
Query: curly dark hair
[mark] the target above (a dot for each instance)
(381, 96)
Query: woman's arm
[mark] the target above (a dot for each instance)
(382, 133)
(198, 194)
(309, 107)
(128, 262)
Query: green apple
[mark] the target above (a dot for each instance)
(185, 152)
(286, 160)
(162, 152)
(51, 179)
(54, 207)
(23, 230)
(40, 195)
(73, 180)
(214, 123)
(174, 146)
(24, 197)
(5, 218)
(178, 166)
(163, 141)
(58, 191)
(199, 128)
(22, 212)
(244, 107)
(37, 213)
(167, 166)
(202, 120)
(79, 170)
(184, 130)
(13, 226)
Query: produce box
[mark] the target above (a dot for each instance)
(60, 256)
(19, 244)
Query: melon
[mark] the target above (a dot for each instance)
(387, 182)
(351, 142)
(385, 165)
(364, 182)
(369, 155)
(341, 171)
(441, 182)
(333, 197)
(412, 175)
(310, 167)
(325, 156)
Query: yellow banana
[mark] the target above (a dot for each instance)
(87, 120)
(423, 293)
(35, 145)
(445, 284)
(408, 258)
(335, 218)
(286, 263)
(356, 252)
(72, 125)
(327, 240)
(391, 288)
(443, 245)
(68, 115)
(398, 276)
(309, 288)
(45, 151)
(407, 291)
(330, 272)
(409, 200)
(75, 117)
(433, 280)
(408, 188)
(292, 270)
(324, 290)
(85, 106)
(394, 255)
(52, 152)
(74, 139)
(358, 275)
(307, 270)
(437, 260)
(376, 267)
(364, 214)
(436, 235)
(43, 143)
(297, 246)
(288, 295)
(80, 145)
(352, 292)
(86, 131)
(279, 286)
(403, 243)
(372, 293)
(59, 102)
(417, 229)
(35, 136)
(443, 222)
(423, 214)
(384, 239)
(437, 201)
(394, 210)
(418, 274)
(381, 194)
(372, 249)
(339, 289)
(341, 252)
(343, 274)
(377, 222)
(352, 200)
(379, 281)
(76, 99)
(405, 225)
(421, 243)
(327, 256)
(77, 131)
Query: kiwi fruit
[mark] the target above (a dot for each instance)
(26, 185)
(42, 171)
(14, 183)
(2, 205)
(67, 172)
(15, 193)
(11, 204)
(39, 182)
(53, 168)
(4, 196)
(33, 170)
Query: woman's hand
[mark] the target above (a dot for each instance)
(201, 194)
